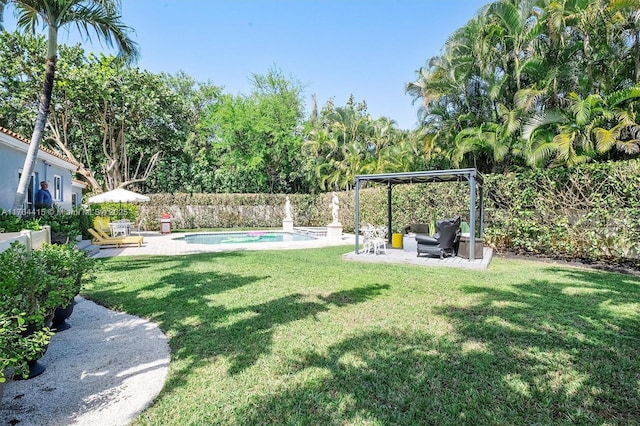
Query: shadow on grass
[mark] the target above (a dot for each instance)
(244, 341)
(182, 285)
(181, 302)
(546, 352)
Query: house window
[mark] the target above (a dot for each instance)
(74, 199)
(57, 188)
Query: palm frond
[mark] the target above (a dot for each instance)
(540, 120)
(540, 153)
(508, 15)
(620, 96)
(630, 147)
(527, 99)
(582, 108)
(564, 142)
(606, 139)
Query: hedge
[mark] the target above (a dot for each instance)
(588, 213)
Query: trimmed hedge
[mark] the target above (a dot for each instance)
(589, 213)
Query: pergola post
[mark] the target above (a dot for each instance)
(472, 217)
(357, 219)
(389, 219)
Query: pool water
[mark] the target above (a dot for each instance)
(244, 237)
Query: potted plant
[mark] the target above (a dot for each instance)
(24, 311)
(396, 236)
(71, 267)
(64, 227)
(33, 284)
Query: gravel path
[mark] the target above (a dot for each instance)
(104, 370)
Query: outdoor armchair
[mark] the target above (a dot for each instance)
(137, 227)
(375, 239)
(444, 242)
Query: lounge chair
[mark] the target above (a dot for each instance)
(100, 239)
(133, 238)
(101, 223)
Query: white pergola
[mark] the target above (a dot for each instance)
(474, 179)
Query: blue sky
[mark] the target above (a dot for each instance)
(368, 48)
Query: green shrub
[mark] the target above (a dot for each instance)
(24, 289)
(32, 285)
(586, 213)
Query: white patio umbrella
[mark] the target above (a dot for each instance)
(118, 196)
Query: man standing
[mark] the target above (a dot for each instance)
(43, 197)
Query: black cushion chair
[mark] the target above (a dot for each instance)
(444, 241)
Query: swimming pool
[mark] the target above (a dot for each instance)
(243, 237)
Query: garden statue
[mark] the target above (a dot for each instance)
(335, 206)
(287, 209)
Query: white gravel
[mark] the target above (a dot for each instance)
(104, 370)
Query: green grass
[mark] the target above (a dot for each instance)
(303, 337)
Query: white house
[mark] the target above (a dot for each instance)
(77, 187)
(52, 167)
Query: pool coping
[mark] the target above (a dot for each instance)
(157, 244)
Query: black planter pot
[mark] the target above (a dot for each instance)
(35, 368)
(60, 316)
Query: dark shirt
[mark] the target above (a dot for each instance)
(43, 198)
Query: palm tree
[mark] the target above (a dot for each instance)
(101, 16)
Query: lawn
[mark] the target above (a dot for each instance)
(303, 337)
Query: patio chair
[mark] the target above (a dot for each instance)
(375, 239)
(137, 227)
(120, 228)
(444, 242)
(101, 239)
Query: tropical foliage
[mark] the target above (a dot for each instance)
(116, 121)
(536, 83)
(99, 17)
(342, 142)
(251, 143)
(524, 84)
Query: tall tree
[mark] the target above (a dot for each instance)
(101, 17)
(528, 83)
(254, 140)
(117, 121)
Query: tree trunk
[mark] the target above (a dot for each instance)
(41, 122)
(36, 137)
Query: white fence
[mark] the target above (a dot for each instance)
(31, 239)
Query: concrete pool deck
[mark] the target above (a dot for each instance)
(157, 244)
(410, 257)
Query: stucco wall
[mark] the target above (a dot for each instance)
(47, 167)
(9, 158)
